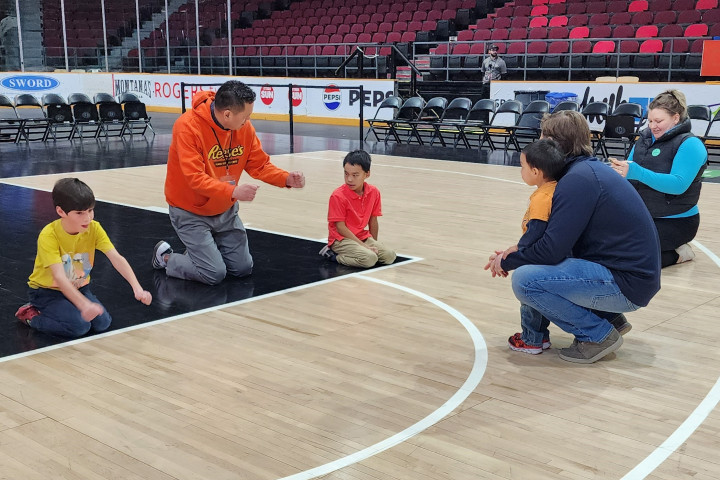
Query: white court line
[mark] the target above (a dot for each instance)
(657, 457)
(688, 427)
(200, 312)
(472, 381)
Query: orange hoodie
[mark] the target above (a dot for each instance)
(196, 161)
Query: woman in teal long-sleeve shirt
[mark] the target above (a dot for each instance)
(665, 166)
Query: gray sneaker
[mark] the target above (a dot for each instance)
(621, 324)
(588, 352)
(161, 248)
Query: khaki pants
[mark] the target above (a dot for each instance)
(350, 253)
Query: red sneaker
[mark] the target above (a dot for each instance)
(26, 313)
(516, 343)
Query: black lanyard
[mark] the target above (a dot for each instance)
(226, 153)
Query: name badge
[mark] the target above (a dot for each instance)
(228, 179)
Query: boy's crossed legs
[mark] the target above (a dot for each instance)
(352, 254)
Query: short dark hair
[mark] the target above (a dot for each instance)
(72, 194)
(546, 156)
(233, 95)
(358, 157)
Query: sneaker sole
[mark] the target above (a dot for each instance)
(531, 351)
(597, 357)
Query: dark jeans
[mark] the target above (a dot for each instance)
(674, 232)
(60, 317)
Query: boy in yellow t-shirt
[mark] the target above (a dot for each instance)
(61, 302)
(541, 164)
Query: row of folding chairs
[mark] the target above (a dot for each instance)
(511, 125)
(27, 118)
(460, 122)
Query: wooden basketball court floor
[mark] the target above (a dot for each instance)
(395, 373)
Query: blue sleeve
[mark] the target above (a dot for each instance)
(690, 157)
(535, 230)
(573, 205)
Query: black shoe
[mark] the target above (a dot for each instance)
(621, 324)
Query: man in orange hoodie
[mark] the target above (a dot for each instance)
(212, 144)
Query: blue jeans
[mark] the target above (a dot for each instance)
(564, 294)
(59, 316)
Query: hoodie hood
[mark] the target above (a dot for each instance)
(201, 105)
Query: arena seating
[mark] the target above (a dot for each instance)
(276, 38)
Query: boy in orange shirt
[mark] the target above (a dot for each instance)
(352, 218)
(541, 164)
(212, 144)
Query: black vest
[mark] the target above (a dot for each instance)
(659, 157)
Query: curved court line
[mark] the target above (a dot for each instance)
(688, 427)
(472, 381)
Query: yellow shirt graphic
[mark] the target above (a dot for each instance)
(75, 252)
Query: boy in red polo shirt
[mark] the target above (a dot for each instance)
(352, 218)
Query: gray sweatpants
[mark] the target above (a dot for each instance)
(216, 246)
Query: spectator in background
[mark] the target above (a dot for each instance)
(493, 68)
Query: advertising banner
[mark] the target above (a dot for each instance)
(313, 99)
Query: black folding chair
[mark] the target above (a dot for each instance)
(135, 114)
(424, 127)
(566, 105)
(10, 124)
(502, 126)
(36, 126)
(85, 114)
(476, 122)
(409, 112)
(452, 120)
(622, 128)
(59, 114)
(112, 118)
(700, 117)
(527, 129)
(392, 104)
(712, 137)
(596, 114)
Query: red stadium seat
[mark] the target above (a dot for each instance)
(604, 46)
(558, 21)
(642, 18)
(599, 19)
(580, 32)
(557, 33)
(579, 20)
(638, 6)
(666, 17)
(601, 31)
(647, 31)
(653, 45)
(696, 30)
(539, 33)
(538, 22)
(688, 17)
(706, 4)
(539, 10)
(711, 18)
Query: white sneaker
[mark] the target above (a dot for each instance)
(685, 253)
